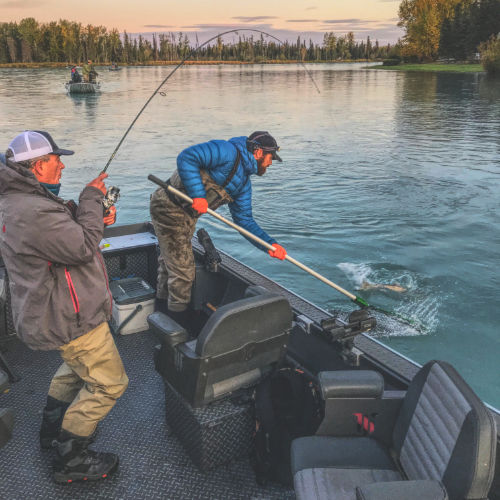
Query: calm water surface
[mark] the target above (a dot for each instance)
(387, 177)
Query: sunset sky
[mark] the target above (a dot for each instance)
(283, 18)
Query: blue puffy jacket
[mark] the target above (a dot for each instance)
(217, 158)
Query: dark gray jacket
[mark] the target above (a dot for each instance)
(58, 281)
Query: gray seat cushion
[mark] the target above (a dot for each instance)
(396, 490)
(337, 483)
(315, 452)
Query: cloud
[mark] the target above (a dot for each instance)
(22, 4)
(159, 26)
(301, 20)
(343, 24)
(219, 26)
(343, 21)
(311, 8)
(250, 19)
(382, 30)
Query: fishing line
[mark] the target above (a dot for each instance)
(192, 53)
(356, 299)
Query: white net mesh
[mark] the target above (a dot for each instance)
(29, 145)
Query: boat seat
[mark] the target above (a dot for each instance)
(240, 342)
(443, 446)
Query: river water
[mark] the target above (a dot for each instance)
(388, 177)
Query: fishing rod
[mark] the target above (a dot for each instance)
(192, 53)
(357, 300)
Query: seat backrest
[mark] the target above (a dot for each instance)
(252, 319)
(445, 432)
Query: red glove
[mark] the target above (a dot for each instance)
(200, 205)
(279, 253)
(110, 216)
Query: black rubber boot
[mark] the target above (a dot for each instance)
(53, 415)
(161, 305)
(75, 462)
(181, 317)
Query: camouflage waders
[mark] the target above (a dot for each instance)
(175, 222)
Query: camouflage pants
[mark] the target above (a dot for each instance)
(174, 227)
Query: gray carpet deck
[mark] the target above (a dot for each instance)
(153, 464)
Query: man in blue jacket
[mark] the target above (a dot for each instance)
(212, 174)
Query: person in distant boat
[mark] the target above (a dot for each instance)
(213, 173)
(75, 76)
(60, 297)
(89, 72)
(372, 286)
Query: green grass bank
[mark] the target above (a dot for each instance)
(434, 67)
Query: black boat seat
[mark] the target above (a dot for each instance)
(166, 329)
(443, 445)
(240, 342)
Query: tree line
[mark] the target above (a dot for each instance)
(70, 42)
(457, 29)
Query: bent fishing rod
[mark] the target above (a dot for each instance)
(357, 300)
(192, 53)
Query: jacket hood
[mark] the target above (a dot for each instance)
(247, 159)
(17, 179)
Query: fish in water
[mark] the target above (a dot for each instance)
(372, 286)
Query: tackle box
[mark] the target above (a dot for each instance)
(133, 302)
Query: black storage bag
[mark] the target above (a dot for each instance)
(287, 406)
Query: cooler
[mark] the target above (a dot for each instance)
(133, 302)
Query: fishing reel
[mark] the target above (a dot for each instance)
(111, 197)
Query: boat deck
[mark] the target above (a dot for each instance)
(153, 464)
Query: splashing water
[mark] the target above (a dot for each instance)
(419, 303)
(357, 273)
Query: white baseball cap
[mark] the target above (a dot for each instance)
(34, 143)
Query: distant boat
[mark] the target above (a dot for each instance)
(114, 67)
(82, 87)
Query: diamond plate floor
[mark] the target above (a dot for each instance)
(153, 464)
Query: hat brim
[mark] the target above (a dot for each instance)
(277, 157)
(61, 152)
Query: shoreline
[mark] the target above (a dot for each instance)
(434, 68)
(65, 65)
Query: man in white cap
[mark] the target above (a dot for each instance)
(60, 297)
